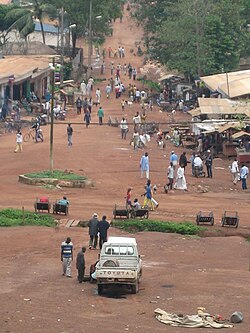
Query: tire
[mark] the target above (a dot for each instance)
(100, 289)
(135, 288)
(26, 137)
(111, 263)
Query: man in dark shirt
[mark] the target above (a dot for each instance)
(69, 133)
(183, 159)
(80, 264)
(103, 226)
(93, 231)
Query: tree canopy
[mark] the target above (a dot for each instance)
(196, 37)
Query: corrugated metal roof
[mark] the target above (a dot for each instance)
(232, 84)
(49, 28)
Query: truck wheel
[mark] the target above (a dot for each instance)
(135, 288)
(111, 263)
(100, 289)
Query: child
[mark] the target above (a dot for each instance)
(136, 204)
(128, 198)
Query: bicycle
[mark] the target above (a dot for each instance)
(32, 136)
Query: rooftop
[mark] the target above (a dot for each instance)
(23, 66)
(232, 84)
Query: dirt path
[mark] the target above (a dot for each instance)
(184, 272)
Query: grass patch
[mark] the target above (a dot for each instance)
(185, 228)
(58, 174)
(14, 217)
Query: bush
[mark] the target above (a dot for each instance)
(185, 228)
(58, 174)
(13, 217)
(150, 84)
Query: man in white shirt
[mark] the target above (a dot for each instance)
(235, 171)
(198, 162)
(19, 141)
(124, 128)
(137, 121)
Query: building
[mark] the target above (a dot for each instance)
(20, 75)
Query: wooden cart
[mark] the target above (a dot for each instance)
(42, 205)
(121, 212)
(60, 208)
(205, 218)
(230, 219)
(141, 212)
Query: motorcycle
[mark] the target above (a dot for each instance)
(59, 114)
(42, 119)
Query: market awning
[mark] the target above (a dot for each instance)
(240, 134)
(226, 127)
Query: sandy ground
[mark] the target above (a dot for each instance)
(185, 272)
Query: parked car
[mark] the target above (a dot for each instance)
(119, 264)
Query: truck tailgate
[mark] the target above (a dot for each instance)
(115, 273)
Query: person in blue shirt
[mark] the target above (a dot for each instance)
(64, 201)
(244, 172)
(67, 256)
(144, 165)
(174, 159)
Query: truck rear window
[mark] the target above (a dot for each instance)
(119, 250)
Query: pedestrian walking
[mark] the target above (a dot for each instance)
(244, 172)
(124, 128)
(149, 197)
(180, 183)
(144, 165)
(183, 159)
(235, 171)
(67, 256)
(100, 114)
(136, 139)
(87, 118)
(134, 73)
(209, 164)
(170, 175)
(19, 142)
(78, 105)
(93, 231)
(98, 95)
(80, 264)
(108, 90)
(103, 227)
(174, 159)
(69, 133)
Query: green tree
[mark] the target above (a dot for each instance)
(196, 37)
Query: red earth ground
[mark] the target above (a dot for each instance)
(185, 272)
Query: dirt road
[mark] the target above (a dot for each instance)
(185, 272)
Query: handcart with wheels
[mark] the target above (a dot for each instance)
(205, 218)
(139, 212)
(230, 219)
(42, 204)
(121, 211)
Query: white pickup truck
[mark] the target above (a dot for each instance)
(119, 264)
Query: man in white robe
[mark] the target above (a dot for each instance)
(83, 88)
(180, 183)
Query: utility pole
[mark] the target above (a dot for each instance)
(62, 46)
(90, 38)
(52, 79)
